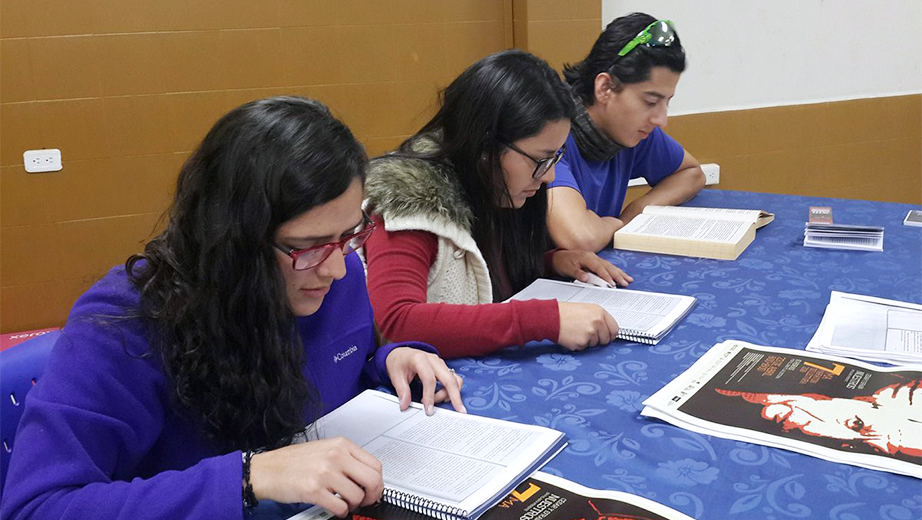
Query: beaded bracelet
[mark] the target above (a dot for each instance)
(249, 499)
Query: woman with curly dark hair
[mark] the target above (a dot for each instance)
(183, 378)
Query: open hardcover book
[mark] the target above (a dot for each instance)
(829, 407)
(644, 317)
(449, 465)
(718, 233)
(541, 496)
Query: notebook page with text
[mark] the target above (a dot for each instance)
(460, 461)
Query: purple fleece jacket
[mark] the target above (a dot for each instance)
(100, 437)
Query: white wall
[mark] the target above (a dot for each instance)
(750, 54)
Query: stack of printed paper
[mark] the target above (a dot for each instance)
(840, 236)
(870, 328)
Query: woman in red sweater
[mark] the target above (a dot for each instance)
(462, 206)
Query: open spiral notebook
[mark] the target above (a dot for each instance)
(449, 465)
(541, 496)
(644, 317)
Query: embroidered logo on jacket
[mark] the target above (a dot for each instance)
(344, 354)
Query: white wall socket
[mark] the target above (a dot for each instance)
(47, 160)
(711, 176)
(711, 173)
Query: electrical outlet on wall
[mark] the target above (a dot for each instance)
(46, 160)
(711, 173)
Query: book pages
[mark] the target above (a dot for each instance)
(640, 314)
(719, 233)
(722, 230)
(759, 217)
(448, 462)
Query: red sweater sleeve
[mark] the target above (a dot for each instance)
(398, 269)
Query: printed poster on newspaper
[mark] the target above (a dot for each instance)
(826, 406)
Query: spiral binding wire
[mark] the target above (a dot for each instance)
(424, 506)
(636, 335)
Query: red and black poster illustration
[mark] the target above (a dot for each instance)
(829, 402)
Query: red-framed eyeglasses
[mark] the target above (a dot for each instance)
(303, 259)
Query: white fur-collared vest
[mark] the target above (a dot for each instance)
(419, 195)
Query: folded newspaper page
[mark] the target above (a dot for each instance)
(829, 407)
(540, 497)
(874, 329)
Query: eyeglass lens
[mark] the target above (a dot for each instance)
(546, 164)
(658, 34)
(661, 34)
(315, 257)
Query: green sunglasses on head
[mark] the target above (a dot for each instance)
(658, 34)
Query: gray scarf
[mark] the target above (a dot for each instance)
(592, 143)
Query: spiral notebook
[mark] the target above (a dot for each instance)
(642, 316)
(541, 496)
(449, 465)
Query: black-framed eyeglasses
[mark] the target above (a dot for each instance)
(303, 259)
(541, 165)
(660, 33)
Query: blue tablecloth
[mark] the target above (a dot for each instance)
(774, 294)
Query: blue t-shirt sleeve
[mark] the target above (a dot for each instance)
(657, 157)
(563, 171)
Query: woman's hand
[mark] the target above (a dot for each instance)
(577, 264)
(585, 325)
(335, 474)
(406, 363)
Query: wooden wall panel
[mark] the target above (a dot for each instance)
(860, 149)
(127, 89)
(867, 148)
(559, 32)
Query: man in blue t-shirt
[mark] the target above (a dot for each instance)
(622, 91)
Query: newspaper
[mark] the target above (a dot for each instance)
(875, 329)
(541, 497)
(829, 407)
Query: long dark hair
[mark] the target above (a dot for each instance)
(210, 284)
(498, 100)
(633, 67)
